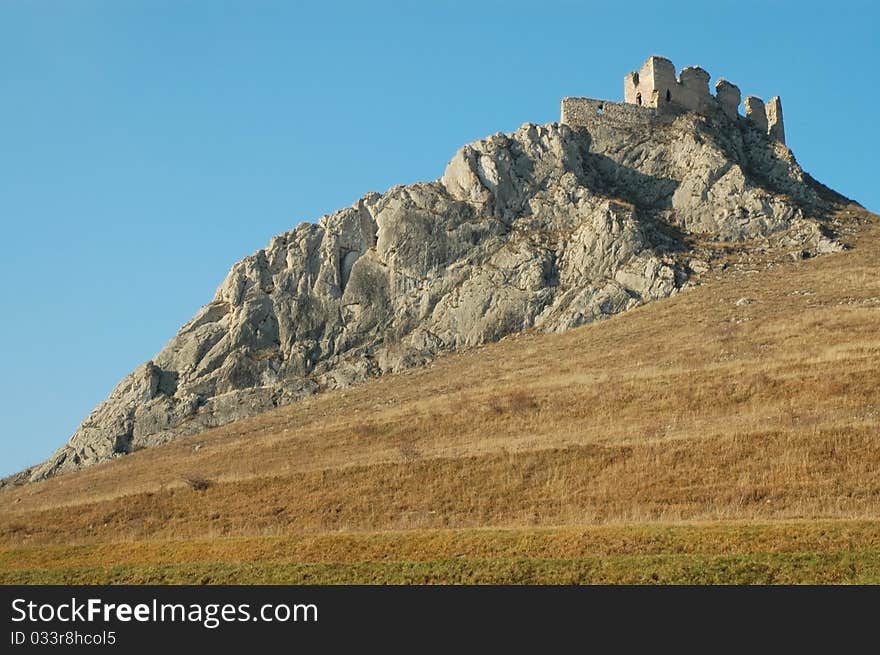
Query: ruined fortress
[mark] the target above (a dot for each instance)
(655, 93)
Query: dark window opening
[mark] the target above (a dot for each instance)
(600, 109)
(668, 95)
(638, 98)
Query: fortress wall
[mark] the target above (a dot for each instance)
(728, 96)
(692, 89)
(756, 112)
(654, 93)
(631, 88)
(775, 126)
(590, 112)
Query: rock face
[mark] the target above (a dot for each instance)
(549, 228)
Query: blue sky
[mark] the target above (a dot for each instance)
(146, 146)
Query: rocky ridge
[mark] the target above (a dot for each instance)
(547, 228)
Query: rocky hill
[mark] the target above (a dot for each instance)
(548, 228)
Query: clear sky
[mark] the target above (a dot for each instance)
(147, 145)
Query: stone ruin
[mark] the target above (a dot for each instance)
(655, 91)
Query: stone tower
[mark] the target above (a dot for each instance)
(652, 85)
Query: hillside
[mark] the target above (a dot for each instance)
(727, 433)
(546, 228)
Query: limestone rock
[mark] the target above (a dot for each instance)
(549, 227)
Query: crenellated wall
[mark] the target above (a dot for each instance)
(655, 86)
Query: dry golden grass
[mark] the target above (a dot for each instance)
(652, 553)
(696, 408)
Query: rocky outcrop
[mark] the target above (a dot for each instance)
(549, 228)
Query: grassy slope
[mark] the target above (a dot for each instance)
(694, 439)
(838, 551)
